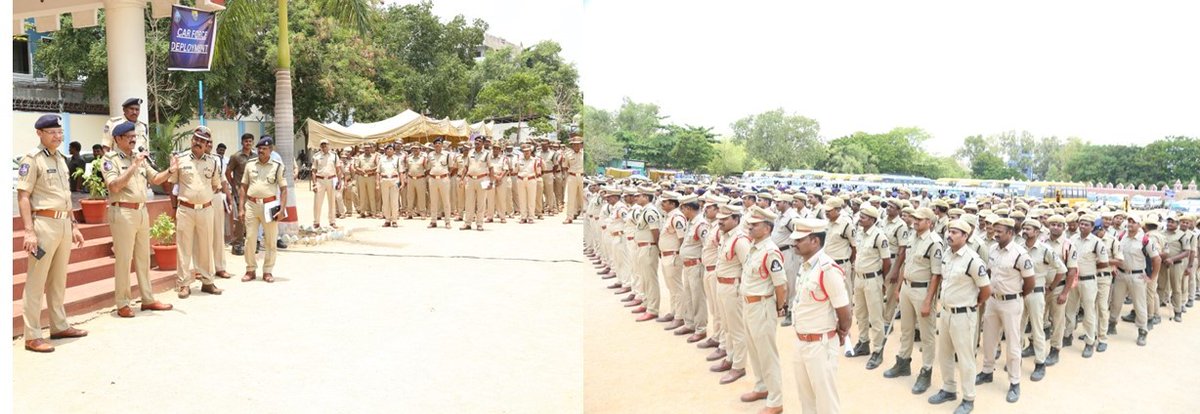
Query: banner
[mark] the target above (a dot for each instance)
(193, 34)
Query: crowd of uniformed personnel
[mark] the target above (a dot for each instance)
(960, 278)
(479, 181)
(201, 187)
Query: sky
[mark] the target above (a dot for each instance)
(1121, 74)
(524, 22)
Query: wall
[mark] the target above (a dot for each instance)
(87, 129)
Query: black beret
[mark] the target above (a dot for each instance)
(48, 121)
(132, 101)
(123, 128)
(266, 141)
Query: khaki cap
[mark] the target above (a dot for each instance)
(924, 213)
(959, 225)
(727, 210)
(801, 228)
(870, 211)
(759, 214)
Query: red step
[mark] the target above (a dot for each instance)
(91, 249)
(77, 274)
(89, 231)
(93, 296)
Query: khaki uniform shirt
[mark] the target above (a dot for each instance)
(712, 244)
(763, 269)
(1046, 263)
(782, 232)
(43, 174)
(924, 258)
(647, 220)
(820, 290)
(693, 237)
(325, 165)
(529, 167)
(115, 164)
(573, 161)
(1176, 242)
(1114, 250)
(478, 162)
(415, 165)
(838, 237)
(872, 247)
(895, 232)
(389, 166)
(501, 166)
(367, 163)
(616, 219)
(439, 163)
(140, 128)
(631, 219)
(1009, 265)
(1065, 250)
(732, 253)
(964, 274)
(1135, 253)
(1092, 252)
(672, 232)
(263, 179)
(198, 178)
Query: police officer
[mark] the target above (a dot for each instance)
(367, 165)
(821, 312)
(221, 201)
(1178, 249)
(572, 161)
(500, 195)
(197, 175)
(671, 234)
(233, 174)
(44, 201)
(1057, 298)
(415, 185)
(917, 298)
(839, 238)
(1093, 256)
(964, 286)
(781, 236)
(762, 288)
(694, 315)
(1047, 267)
(388, 183)
(715, 330)
(529, 170)
(1104, 281)
(260, 184)
(326, 172)
(1140, 262)
(438, 164)
(872, 262)
(1012, 277)
(350, 188)
(732, 253)
(130, 110)
(647, 221)
(477, 169)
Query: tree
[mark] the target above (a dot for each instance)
(522, 94)
(780, 140)
(601, 146)
(988, 166)
(544, 59)
(849, 155)
(729, 158)
(693, 146)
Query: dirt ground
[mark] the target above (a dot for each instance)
(509, 320)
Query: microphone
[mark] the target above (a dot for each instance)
(148, 157)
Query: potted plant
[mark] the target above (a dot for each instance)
(95, 207)
(163, 234)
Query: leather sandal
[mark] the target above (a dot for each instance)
(267, 277)
(248, 277)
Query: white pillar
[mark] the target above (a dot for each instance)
(124, 22)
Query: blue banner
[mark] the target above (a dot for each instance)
(192, 36)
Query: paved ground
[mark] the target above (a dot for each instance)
(507, 320)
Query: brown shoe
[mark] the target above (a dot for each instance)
(753, 396)
(633, 303)
(39, 345)
(608, 276)
(269, 278)
(69, 333)
(615, 285)
(623, 290)
(665, 318)
(184, 292)
(629, 298)
(710, 343)
(156, 306)
(645, 317)
(125, 312)
(248, 277)
(685, 331)
(211, 289)
(724, 365)
(675, 325)
(223, 274)
(697, 337)
(716, 354)
(733, 375)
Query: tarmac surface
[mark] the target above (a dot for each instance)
(509, 320)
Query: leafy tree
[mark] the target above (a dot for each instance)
(988, 166)
(849, 155)
(601, 146)
(729, 158)
(780, 140)
(522, 94)
(693, 146)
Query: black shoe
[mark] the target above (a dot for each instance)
(1014, 393)
(860, 349)
(942, 396)
(983, 378)
(1128, 300)
(917, 335)
(965, 407)
(239, 250)
(923, 380)
(1178, 317)
(1067, 340)
(1141, 339)
(1101, 347)
(876, 359)
(279, 244)
(1028, 328)
(1039, 372)
(1052, 358)
(787, 320)
(1189, 303)
(1027, 352)
(901, 369)
(1087, 351)
(1156, 320)
(1129, 318)
(1112, 328)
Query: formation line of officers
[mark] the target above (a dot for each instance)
(479, 182)
(45, 206)
(965, 280)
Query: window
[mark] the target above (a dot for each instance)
(21, 58)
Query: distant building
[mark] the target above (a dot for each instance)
(494, 43)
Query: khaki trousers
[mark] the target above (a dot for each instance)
(889, 305)
(695, 311)
(239, 224)
(631, 263)
(504, 197)
(218, 238)
(389, 188)
(762, 323)
(647, 272)
(1152, 296)
(439, 199)
(791, 269)
(1084, 295)
(1035, 310)
(1002, 316)
(516, 197)
(475, 208)
(815, 364)
(1133, 285)
(868, 310)
(548, 197)
(956, 338)
(457, 195)
(1177, 288)
(716, 326)
(735, 325)
(1104, 285)
(527, 196)
(350, 196)
(414, 196)
(616, 262)
(193, 240)
(256, 219)
(131, 245)
(1058, 317)
(672, 273)
(574, 194)
(325, 194)
(559, 189)
(367, 203)
(48, 276)
(910, 303)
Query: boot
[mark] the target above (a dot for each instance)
(923, 380)
(1027, 352)
(983, 378)
(1141, 339)
(965, 407)
(1087, 351)
(787, 320)
(901, 369)
(876, 359)
(1014, 393)
(1052, 358)
(1067, 340)
(1129, 318)
(1155, 320)
(942, 396)
(1178, 317)
(1101, 347)
(860, 349)
(1039, 372)
(1112, 328)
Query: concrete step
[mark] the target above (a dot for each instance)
(91, 249)
(89, 231)
(92, 296)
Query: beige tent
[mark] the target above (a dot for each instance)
(408, 126)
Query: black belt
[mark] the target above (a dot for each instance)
(1061, 283)
(785, 247)
(1088, 277)
(1137, 272)
(869, 275)
(842, 262)
(918, 284)
(961, 309)
(1039, 289)
(1104, 274)
(1010, 296)
(1177, 261)
(892, 256)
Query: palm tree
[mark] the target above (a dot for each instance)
(243, 20)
